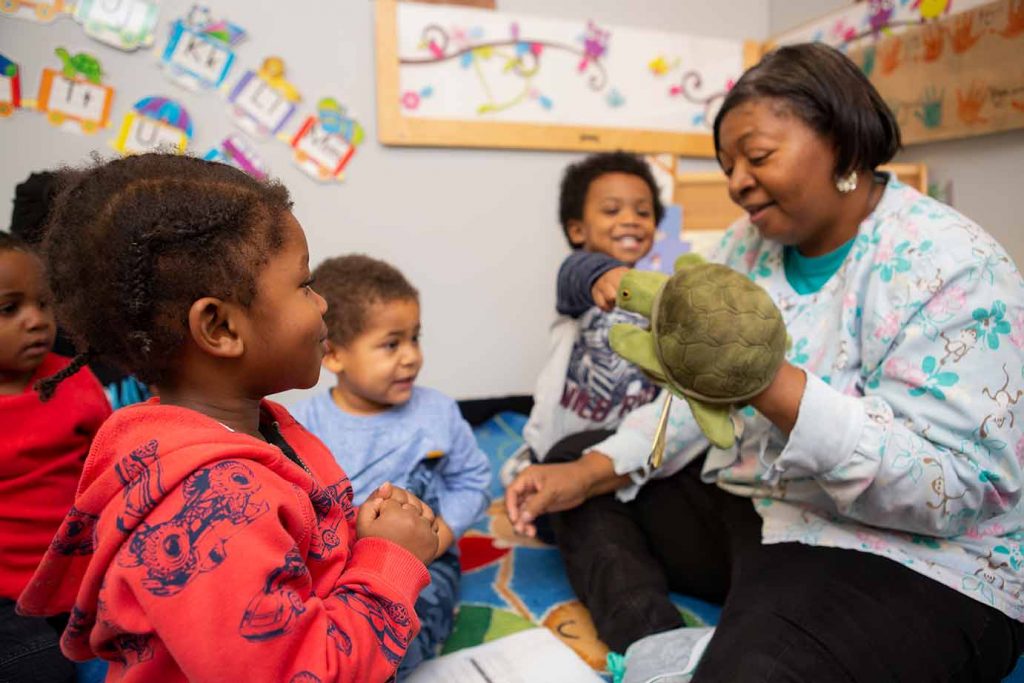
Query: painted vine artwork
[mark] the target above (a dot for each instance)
(458, 64)
(519, 57)
(958, 76)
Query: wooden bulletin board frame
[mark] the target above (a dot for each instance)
(704, 196)
(395, 129)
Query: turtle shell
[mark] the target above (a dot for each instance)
(719, 336)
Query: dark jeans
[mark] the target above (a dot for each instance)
(30, 648)
(792, 612)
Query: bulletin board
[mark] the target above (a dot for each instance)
(947, 68)
(956, 77)
(704, 197)
(462, 77)
(863, 22)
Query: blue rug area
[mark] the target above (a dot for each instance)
(510, 582)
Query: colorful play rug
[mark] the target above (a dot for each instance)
(511, 583)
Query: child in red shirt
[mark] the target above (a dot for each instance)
(42, 449)
(212, 537)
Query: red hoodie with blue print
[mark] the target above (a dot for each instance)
(197, 553)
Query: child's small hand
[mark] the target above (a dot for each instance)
(388, 491)
(445, 536)
(606, 288)
(399, 523)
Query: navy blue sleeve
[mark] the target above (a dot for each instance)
(576, 277)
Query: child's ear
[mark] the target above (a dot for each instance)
(212, 324)
(332, 359)
(577, 235)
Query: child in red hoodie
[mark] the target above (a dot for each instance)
(42, 447)
(212, 537)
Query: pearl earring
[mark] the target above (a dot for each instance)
(847, 183)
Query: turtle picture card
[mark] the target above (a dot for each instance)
(75, 99)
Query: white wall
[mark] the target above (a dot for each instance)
(986, 171)
(475, 230)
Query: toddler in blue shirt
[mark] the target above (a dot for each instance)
(381, 427)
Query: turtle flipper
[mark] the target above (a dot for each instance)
(637, 346)
(715, 420)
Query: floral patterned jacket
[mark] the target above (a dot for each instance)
(910, 438)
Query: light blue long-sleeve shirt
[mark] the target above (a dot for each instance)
(373, 449)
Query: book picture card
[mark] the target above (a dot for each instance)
(10, 87)
(325, 143)
(124, 24)
(236, 151)
(262, 101)
(154, 123)
(75, 98)
(200, 51)
(39, 11)
(668, 243)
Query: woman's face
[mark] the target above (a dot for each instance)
(780, 172)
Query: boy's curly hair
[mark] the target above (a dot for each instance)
(132, 243)
(353, 283)
(577, 178)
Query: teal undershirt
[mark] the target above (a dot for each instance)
(808, 274)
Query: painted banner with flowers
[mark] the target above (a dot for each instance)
(958, 76)
(456, 76)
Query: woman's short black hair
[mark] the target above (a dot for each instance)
(132, 243)
(828, 92)
(577, 178)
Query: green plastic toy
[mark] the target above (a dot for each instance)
(716, 339)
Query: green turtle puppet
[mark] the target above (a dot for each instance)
(716, 339)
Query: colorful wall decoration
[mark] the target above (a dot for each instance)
(457, 76)
(40, 11)
(325, 142)
(75, 98)
(10, 87)
(198, 55)
(124, 24)
(262, 101)
(240, 153)
(862, 22)
(155, 123)
(200, 50)
(958, 76)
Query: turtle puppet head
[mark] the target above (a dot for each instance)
(716, 338)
